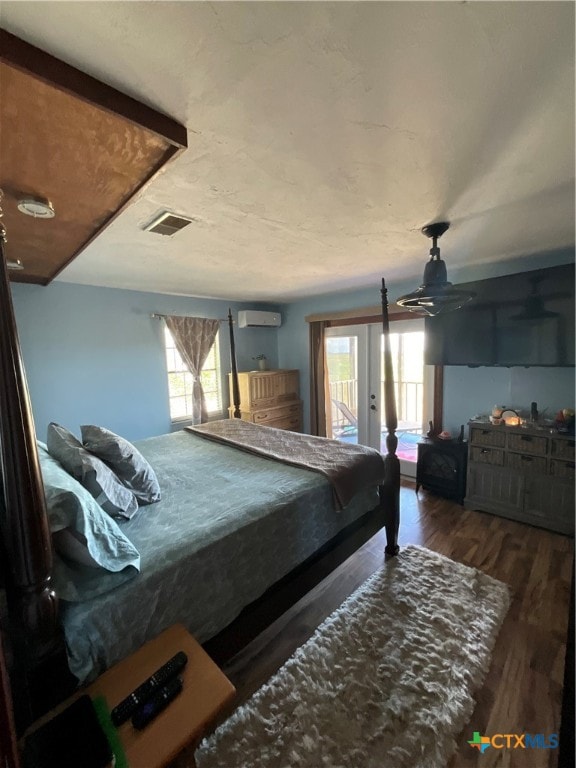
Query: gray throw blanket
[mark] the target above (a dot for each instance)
(349, 468)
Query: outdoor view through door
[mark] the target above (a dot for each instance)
(354, 356)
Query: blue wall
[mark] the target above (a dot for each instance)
(95, 355)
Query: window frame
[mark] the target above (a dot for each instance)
(180, 367)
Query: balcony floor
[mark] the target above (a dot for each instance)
(407, 442)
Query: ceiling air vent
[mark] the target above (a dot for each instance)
(167, 223)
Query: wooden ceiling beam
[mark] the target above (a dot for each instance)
(82, 144)
(27, 58)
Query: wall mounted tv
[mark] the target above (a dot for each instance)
(526, 319)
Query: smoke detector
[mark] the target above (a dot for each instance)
(167, 223)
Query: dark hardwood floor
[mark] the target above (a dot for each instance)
(522, 692)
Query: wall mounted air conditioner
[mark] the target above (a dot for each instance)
(252, 318)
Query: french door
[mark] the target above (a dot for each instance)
(354, 356)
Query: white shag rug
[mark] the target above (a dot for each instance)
(386, 681)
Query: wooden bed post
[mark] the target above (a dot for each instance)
(234, 367)
(390, 489)
(26, 547)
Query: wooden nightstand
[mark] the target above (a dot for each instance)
(206, 693)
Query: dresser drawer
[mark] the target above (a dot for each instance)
(261, 417)
(272, 402)
(563, 449)
(495, 437)
(272, 414)
(532, 444)
(286, 397)
(264, 402)
(526, 463)
(487, 456)
(294, 424)
(562, 468)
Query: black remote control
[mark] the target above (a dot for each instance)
(156, 704)
(130, 704)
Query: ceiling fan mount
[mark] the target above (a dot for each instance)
(436, 295)
(435, 230)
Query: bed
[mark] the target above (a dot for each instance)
(229, 525)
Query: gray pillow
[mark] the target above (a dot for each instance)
(73, 513)
(128, 464)
(91, 472)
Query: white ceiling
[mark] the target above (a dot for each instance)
(324, 135)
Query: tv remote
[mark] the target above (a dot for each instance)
(131, 703)
(150, 709)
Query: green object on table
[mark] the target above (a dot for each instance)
(103, 714)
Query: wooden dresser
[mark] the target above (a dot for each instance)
(523, 473)
(271, 398)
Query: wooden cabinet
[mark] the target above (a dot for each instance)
(524, 473)
(271, 398)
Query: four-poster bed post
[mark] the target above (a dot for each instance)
(234, 367)
(26, 549)
(390, 489)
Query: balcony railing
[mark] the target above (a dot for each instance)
(344, 394)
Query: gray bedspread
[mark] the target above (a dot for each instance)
(349, 467)
(229, 525)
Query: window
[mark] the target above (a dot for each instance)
(180, 380)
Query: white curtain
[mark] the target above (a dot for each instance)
(194, 337)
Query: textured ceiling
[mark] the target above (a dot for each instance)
(322, 136)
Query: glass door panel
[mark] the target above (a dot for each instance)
(354, 357)
(346, 360)
(411, 388)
